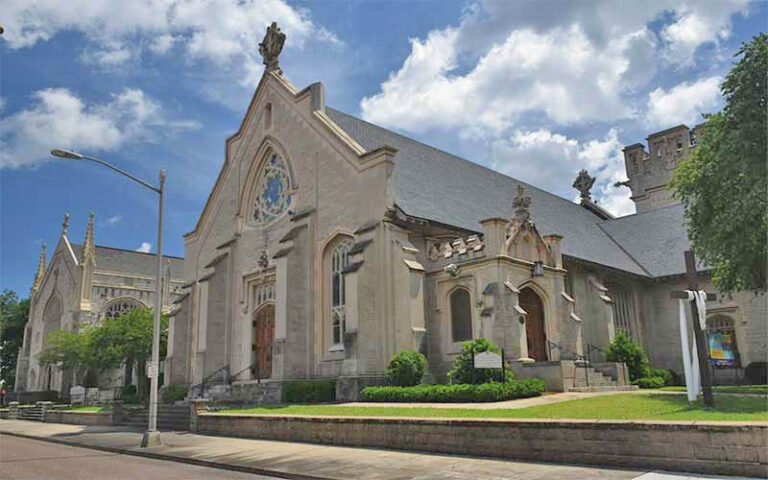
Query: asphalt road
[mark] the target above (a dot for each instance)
(23, 459)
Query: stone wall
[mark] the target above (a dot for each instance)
(78, 418)
(725, 449)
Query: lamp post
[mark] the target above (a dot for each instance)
(151, 436)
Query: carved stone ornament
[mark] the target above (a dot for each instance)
(271, 46)
(264, 260)
(583, 184)
(521, 204)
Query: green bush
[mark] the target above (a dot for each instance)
(130, 394)
(309, 391)
(174, 393)
(662, 373)
(649, 382)
(624, 349)
(463, 371)
(457, 393)
(406, 369)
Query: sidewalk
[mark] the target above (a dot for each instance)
(306, 461)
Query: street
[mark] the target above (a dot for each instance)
(23, 459)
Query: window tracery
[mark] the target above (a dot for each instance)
(273, 190)
(118, 307)
(339, 260)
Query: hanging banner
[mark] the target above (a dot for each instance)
(722, 348)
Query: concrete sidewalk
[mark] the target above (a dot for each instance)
(305, 461)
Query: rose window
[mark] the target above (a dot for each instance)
(273, 190)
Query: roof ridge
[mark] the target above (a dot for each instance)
(621, 247)
(470, 162)
(128, 250)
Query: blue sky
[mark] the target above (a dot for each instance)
(537, 90)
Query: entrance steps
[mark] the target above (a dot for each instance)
(169, 418)
(590, 379)
(614, 388)
(32, 412)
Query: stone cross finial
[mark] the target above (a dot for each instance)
(521, 204)
(583, 184)
(65, 225)
(271, 46)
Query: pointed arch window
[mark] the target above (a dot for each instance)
(274, 190)
(339, 259)
(118, 307)
(461, 315)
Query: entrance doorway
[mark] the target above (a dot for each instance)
(263, 333)
(534, 324)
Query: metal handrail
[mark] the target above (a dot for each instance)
(208, 377)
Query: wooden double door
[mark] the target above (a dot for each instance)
(534, 324)
(263, 334)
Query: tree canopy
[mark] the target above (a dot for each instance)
(723, 182)
(13, 318)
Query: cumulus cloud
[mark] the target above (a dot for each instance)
(558, 59)
(225, 32)
(113, 220)
(551, 161)
(683, 103)
(59, 118)
(145, 247)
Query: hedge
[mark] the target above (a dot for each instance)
(457, 393)
(663, 373)
(309, 391)
(406, 369)
(649, 382)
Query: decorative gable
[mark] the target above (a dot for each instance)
(523, 240)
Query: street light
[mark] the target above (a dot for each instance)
(151, 436)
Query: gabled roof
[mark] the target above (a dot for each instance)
(117, 260)
(437, 186)
(656, 238)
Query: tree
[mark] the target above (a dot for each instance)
(463, 370)
(69, 350)
(723, 182)
(13, 318)
(127, 339)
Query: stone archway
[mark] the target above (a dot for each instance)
(534, 324)
(263, 335)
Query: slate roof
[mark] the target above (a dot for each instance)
(437, 186)
(656, 238)
(130, 261)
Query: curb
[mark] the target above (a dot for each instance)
(188, 461)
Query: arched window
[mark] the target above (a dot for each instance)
(623, 309)
(461, 315)
(274, 190)
(120, 306)
(52, 315)
(339, 258)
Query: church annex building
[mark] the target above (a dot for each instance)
(329, 244)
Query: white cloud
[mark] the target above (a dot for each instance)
(113, 220)
(145, 247)
(225, 32)
(552, 161)
(58, 118)
(684, 102)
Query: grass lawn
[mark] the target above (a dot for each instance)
(86, 408)
(608, 407)
(758, 389)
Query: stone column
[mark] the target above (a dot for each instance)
(196, 405)
(116, 412)
(494, 236)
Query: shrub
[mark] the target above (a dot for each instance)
(457, 393)
(624, 349)
(463, 370)
(662, 373)
(309, 391)
(174, 393)
(406, 369)
(649, 382)
(130, 394)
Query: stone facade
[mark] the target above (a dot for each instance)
(81, 284)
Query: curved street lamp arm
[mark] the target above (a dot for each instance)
(122, 172)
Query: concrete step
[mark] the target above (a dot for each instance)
(613, 388)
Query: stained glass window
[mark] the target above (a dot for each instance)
(119, 307)
(273, 190)
(339, 260)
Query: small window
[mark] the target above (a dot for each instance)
(338, 261)
(692, 136)
(461, 315)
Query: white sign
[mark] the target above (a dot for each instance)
(487, 360)
(152, 369)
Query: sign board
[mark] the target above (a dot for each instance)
(487, 360)
(152, 369)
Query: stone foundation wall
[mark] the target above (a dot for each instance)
(78, 418)
(724, 449)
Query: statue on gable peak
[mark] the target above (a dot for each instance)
(271, 46)
(583, 184)
(521, 204)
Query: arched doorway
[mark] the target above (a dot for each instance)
(534, 324)
(263, 333)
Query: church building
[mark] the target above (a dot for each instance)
(82, 284)
(328, 244)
